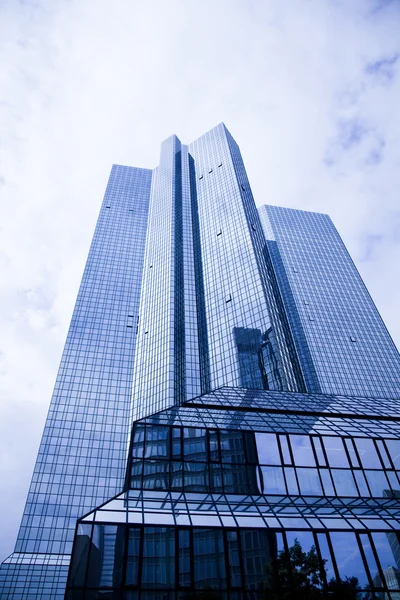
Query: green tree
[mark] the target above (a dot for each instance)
(296, 574)
(299, 575)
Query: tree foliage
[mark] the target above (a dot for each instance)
(299, 575)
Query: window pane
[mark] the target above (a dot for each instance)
(156, 475)
(370, 558)
(348, 557)
(291, 481)
(233, 559)
(138, 441)
(136, 473)
(196, 477)
(213, 442)
(184, 557)
(232, 447)
(105, 564)
(256, 556)
(344, 482)
(378, 483)
(176, 476)
(388, 550)
(368, 454)
(326, 556)
(216, 478)
(335, 452)
(327, 482)
(195, 444)
(267, 448)
(176, 442)
(132, 564)
(361, 482)
(319, 451)
(302, 451)
(305, 539)
(309, 482)
(273, 480)
(235, 479)
(352, 452)
(209, 563)
(158, 567)
(285, 450)
(156, 442)
(394, 451)
(80, 555)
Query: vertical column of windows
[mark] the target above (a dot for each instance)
(155, 363)
(82, 456)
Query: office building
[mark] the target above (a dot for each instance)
(227, 387)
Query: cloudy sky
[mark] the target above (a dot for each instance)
(310, 89)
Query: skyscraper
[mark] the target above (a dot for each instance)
(227, 387)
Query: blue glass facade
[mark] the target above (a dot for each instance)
(342, 342)
(82, 455)
(226, 405)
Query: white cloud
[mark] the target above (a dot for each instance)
(309, 90)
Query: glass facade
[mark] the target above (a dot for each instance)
(341, 340)
(225, 421)
(247, 512)
(82, 455)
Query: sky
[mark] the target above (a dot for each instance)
(310, 90)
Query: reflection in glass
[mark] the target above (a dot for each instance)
(291, 481)
(157, 442)
(132, 562)
(208, 556)
(156, 475)
(394, 450)
(267, 449)
(158, 557)
(309, 482)
(257, 357)
(234, 562)
(258, 549)
(344, 482)
(348, 558)
(335, 452)
(368, 454)
(377, 482)
(299, 562)
(273, 480)
(184, 558)
(195, 444)
(196, 477)
(302, 451)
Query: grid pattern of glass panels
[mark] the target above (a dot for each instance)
(292, 401)
(244, 348)
(82, 456)
(224, 483)
(279, 421)
(338, 331)
(338, 496)
(176, 563)
(34, 576)
(246, 462)
(155, 361)
(238, 510)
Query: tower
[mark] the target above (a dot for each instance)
(227, 387)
